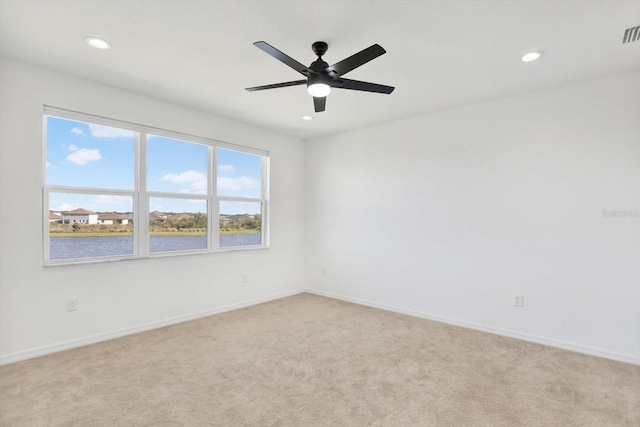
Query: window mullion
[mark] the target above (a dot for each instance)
(89, 190)
(213, 205)
(264, 194)
(45, 224)
(141, 217)
(240, 199)
(177, 195)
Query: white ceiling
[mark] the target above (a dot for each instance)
(440, 54)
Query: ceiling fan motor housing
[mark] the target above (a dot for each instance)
(318, 65)
(319, 48)
(321, 78)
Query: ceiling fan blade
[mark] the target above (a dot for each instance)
(354, 61)
(277, 85)
(319, 103)
(285, 59)
(364, 86)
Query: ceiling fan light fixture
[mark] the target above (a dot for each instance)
(319, 90)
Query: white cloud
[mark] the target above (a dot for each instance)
(48, 165)
(184, 177)
(78, 132)
(199, 186)
(84, 155)
(101, 131)
(73, 148)
(234, 184)
(225, 168)
(197, 181)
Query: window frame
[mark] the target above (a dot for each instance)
(141, 196)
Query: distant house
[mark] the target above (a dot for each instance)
(240, 217)
(112, 218)
(79, 216)
(55, 217)
(157, 216)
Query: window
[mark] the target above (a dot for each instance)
(239, 188)
(116, 190)
(177, 179)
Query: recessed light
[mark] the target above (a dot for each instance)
(532, 56)
(97, 42)
(307, 118)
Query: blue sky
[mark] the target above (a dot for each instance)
(88, 155)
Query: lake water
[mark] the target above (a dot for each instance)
(89, 247)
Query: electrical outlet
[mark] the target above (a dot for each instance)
(518, 300)
(72, 304)
(245, 277)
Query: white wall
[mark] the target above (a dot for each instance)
(449, 215)
(125, 296)
(445, 215)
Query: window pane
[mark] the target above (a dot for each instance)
(89, 155)
(177, 224)
(239, 174)
(175, 166)
(240, 224)
(89, 225)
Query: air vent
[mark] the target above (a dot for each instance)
(631, 35)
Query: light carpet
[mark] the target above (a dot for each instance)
(307, 360)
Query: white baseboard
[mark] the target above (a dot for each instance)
(579, 348)
(92, 339)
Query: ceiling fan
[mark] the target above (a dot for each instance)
(321, 77)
